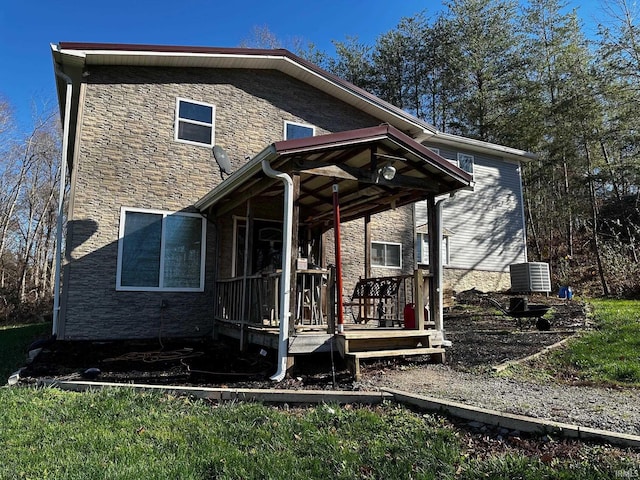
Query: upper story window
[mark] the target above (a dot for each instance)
(195, 122)
(160, 251)
(384, 254)
(294, 130)
(465, 162)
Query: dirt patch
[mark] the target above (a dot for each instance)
(483, 336)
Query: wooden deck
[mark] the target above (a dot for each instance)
(356, 343)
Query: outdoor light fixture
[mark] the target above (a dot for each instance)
(388, 172)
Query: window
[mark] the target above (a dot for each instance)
(298, 130)
(160, 251)
(465, 162)
(422, 249)
(386, 254)
(194, 122)
(434, 150)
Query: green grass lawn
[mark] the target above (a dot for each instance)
(611, 353)
(13, 344)
(121, 434)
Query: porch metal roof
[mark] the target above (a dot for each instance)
(351, 159)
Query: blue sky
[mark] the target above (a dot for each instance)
(28, 27)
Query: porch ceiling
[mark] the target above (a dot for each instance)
(352, 160)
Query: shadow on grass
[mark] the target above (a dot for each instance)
(14, 342)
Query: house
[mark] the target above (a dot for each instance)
(485, 229)
(166, 239)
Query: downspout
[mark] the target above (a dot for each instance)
(285, 277)
(63, 181)
(439, 322)
(524, 221)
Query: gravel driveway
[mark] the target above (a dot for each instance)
(481, 339)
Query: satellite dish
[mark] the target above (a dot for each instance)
(223, 159)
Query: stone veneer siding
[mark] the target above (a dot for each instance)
(461, 280)
(126, 156)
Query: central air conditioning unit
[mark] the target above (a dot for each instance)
(530, 277)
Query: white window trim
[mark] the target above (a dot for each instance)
(195, 122)
(434, 150)
(297, 124)
(388, 266)
(445, 243)
(164, 213)
(462, 156)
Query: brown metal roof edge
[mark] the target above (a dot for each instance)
(133, 47)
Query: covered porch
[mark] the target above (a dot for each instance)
(279, 263)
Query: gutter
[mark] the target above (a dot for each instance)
(480, 146)
(285, 276)
(63, 181)
(439, 322)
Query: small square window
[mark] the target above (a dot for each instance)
(194, 122)
(465, 162)
(298, 130)
(386, 254)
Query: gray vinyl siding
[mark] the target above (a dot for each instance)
(486, 225)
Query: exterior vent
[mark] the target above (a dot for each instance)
(530, 277)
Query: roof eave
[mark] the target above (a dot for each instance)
(449, 139)
(86, 54)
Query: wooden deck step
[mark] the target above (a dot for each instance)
(353, 358)
(379, 340)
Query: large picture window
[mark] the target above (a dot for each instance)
(194, 122)
(386, 254)
(161, 251)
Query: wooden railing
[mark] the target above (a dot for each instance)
(255, 299)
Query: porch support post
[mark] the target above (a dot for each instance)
(248, 233)
(367, 246)
(435, 260)
(418, 281)
(338, 253)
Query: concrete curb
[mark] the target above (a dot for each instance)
(455, 409)
(512, 421)
(234, 394)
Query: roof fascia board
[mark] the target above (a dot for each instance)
(508, 153)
